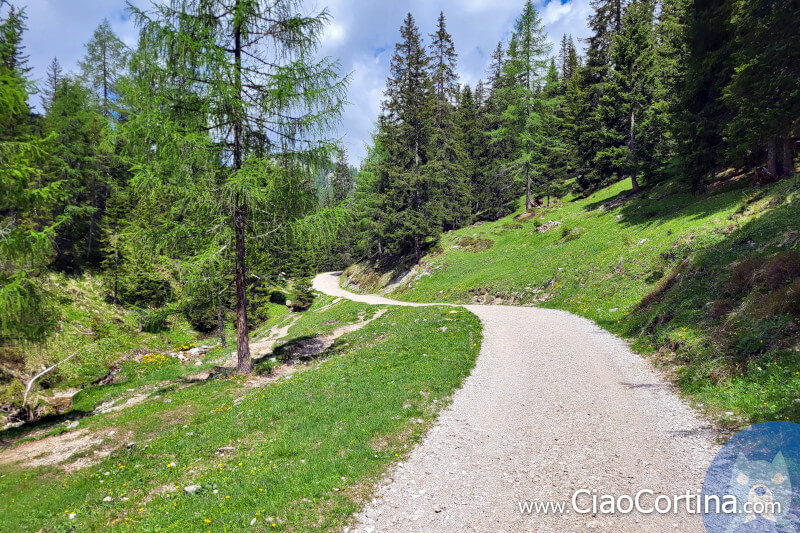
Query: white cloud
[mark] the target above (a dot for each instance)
(362, 35)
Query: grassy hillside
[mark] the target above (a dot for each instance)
(710, 284)
(298, 450)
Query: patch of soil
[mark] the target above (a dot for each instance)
(58, 449)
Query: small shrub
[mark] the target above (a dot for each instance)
(304, 295)
(745, 276)
(781, 269)
(277, 297)
(475, 244)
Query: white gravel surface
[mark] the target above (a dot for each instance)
(554, 404)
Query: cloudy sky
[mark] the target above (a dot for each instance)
(362, 36)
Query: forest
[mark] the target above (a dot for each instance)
(196, 176)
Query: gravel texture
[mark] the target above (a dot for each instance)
(554, 404)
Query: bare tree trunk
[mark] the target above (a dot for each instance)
(245, 364)
(787, 162)
(632, 148)
(221, 325)
(527, 189)
(772, 157)
(417, 248)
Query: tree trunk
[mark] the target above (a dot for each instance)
(527, 189)
(221, 325)
(772, 157)
(90, 237)
(787, 163)
(632, 148)
(417, 248)
(245, 364)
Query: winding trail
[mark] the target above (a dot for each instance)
(554, 404)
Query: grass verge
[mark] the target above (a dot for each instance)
(299, 454)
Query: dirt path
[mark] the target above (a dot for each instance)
(554, 404)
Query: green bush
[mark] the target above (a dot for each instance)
(304, 295)
(278, 297)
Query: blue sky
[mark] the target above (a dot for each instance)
(362, 36)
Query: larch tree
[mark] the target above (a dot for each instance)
(523, 115)
(27, 197)
(103, 65)
(265, 104)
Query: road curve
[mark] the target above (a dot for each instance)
(555, 404)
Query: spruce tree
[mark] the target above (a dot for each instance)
(245, 67)
(341, 181)
(700, 114)
(55, 75)
(596, 130)
(764, 90)
(444, 170)
(412, 203)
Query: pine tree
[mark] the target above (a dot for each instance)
(219, 58)
(55, 76)
(764, 90)
(412, 203)
(444, 169)
(596, 133)
(700, 114)
(103, 65)
(341, 181)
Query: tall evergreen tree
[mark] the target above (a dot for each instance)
(341, 181)
(701, 115)
(412, 203)
(444, 169)
(635, 94)
(246, 64)
(764, 90)
(595, 133)
(103, 65)
(55, 75)
(27, 197)
(524, 74)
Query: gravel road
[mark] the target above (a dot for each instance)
(554, 404)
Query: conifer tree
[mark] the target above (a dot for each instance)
(262, 103)
(524, 73)
(341, 181)
(103, 65)
(55, 75)
(444, 169)
(27, 196)
(595, 131)
(764, 90)
(700, 115)
(412, 203)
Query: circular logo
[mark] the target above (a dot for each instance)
(753, 484)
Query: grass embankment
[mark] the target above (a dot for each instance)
(710, 284)
(300, 453)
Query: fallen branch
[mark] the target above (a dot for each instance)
(40, 374)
